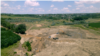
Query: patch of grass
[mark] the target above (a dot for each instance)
(9, 51)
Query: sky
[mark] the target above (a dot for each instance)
(49, 7)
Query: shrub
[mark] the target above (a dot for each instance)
(63, 21)
(53, 24)
(28, 45)
(26, 54)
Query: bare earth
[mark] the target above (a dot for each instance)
(70, 42)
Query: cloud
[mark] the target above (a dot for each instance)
(55, 8)
(77, 8)
(39, 9)
(91, 6)
(69, 6)
(52, 6)
(81, 5)
(31, 3)
(18, 6)
(3, 4)
(66, 9)
(57, 0)
(87, 2)
(10, 0)
(87, 9)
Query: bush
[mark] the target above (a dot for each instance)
(8, 38)
(28, 45)
(63, 21)
(53, 24)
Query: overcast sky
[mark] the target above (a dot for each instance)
(44, 7)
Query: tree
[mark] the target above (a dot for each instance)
(21, 28)
(78, 18)
(13, 26)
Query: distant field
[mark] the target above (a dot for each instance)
(14, 17)
(93, 20)
(95, 25)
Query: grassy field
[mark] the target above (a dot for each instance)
(9, 51)
(91, 29)
(93, 20)
(95, 25)
(14, 17)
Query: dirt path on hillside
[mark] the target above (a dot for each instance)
(29, 28)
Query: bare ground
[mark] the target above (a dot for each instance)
(65, 45)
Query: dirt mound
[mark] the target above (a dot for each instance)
(38, 25)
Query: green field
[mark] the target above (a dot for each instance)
(95, 25)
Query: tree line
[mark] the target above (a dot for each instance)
(21, 28)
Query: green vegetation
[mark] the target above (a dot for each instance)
(95, 25)
(21, 28)
(27, 46)
(8, 38)
(9, 51)
(3, 29)
(26, 54)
